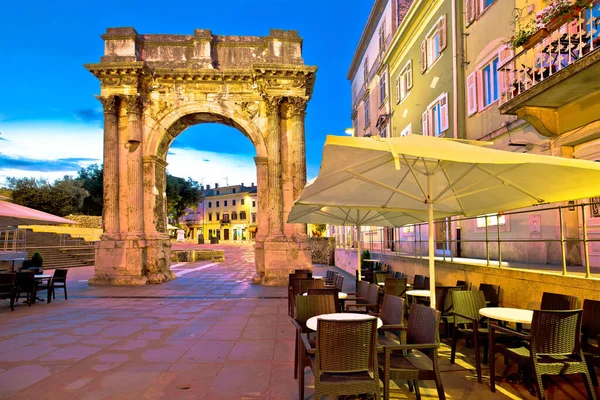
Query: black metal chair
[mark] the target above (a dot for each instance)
(59, 280)
(25, 283)
(418, 282)
(491, 294)
(7, 288)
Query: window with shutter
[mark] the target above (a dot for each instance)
(405, 80)
(425, 121)
(444, 113)
(397, 89)
(472, 93)
(470, 11)
(442, 32)
(423, 56)
(504, 55)
(406, 131)
(409, 75)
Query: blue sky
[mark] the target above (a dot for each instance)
(51, 124)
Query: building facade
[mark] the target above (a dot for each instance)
(228, 213)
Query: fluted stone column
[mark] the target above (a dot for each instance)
(274, 167)
(135, 188)
(110, 211)
(262, 166)
(297, 107)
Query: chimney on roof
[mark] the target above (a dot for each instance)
(216, 185)
(242, 185)
(207, 187)
(252, 184)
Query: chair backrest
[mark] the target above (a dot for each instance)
(330, 274)
(296, 283)
(443, 296)
(491, 293)
(362, 289)
(423, 326)
(373, 294)
(467, 303)
(303, 271)
(310, 306)
(7, 279)
(60, 275)
(327, 292)
(368, 276)
(346, 346)
(399, 275)
(590, 326)
(294, 276)
(555, 301)
(392, 310)
(305, 284)
(426, 282)
(464, 285)
(418, 281)
(339, 281)
(395, 286)
(556, 331)
(25, 278)
(380, 277)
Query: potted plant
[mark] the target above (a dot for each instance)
(559, 13)
(527, 36)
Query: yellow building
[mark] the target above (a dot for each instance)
(227, 213)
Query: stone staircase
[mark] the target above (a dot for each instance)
(60, 251)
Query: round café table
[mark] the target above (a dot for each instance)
(311, 323)
(341, 295)
(317, 277)
(42, 277)
(418, 293)
(517, 315)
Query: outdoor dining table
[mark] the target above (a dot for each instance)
(341, 295)
(517, 315)
(317, 277)
(374, 261)
(42, 277)
(311, 323)
(418, 293)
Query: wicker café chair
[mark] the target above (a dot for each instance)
(327, 292)
(345, 358)
(399, 275)
(305, 284)
(418, 282)
(590, 330)
(339, 282)
(491, 294)
(444, 304)
(395, 287)
(467, 325)
(291, 279)
(554, 348)
(307, 307)
(372, 303)
(7, 288)
(380, 277)
(421, 362)
(392, 316)
(330, 277)
(555, 301)
(360, 296)
(464, 284)
(296, 283)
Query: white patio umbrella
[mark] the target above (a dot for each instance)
(420, 174)
(14, 214)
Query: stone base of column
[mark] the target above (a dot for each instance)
(259, 261)
(158, 260)
(119, 262)
(282, 257)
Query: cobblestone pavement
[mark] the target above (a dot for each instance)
(210, 334)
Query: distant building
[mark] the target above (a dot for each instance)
(228, 213)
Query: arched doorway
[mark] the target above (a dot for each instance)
(155, 86)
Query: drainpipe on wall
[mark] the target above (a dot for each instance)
(455, 32)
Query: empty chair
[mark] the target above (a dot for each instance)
(553, 348)
(426, 282)
(327, 292)
(395, 286)
(418, 282)
(444, 305)
(380, 277)
(491, 294)
(464, 285)
(399, 275)
(361, 294)
(345, 358)
(291, 279)
(392, 316)
(466, 305)
(7, 288)
(305, 284)
(555, 301)
(303, 271)
(590, 329)
(421, 363)
(372, 303)
(307, 307)
(339, 282)
(296, 286)
(25, 283)
(59, 280)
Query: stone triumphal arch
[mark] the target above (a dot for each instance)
(155, 86)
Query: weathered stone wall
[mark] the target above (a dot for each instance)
(86, 221)
(322, 250)
(519, 288)
(197, 255)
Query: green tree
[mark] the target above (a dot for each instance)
(181, 194)
(64, 196)
(91, 179)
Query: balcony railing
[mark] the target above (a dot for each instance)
(564, 46)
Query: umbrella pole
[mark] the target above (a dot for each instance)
(358, 266)
(431, 246)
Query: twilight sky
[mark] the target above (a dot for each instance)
(51, 124)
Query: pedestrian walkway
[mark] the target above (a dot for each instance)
(210, 334)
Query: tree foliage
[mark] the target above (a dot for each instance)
(63, 197)
(91, 179)
(181, 194)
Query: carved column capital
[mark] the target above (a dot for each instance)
(272, 104)
(133, 104)
(109, 103)
(297, 106)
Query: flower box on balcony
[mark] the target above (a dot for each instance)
(535, 38)
(557, 22)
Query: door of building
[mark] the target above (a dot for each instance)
(225, 234)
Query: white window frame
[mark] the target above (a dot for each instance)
(482, 6)
(406, 131)
(482, 84)
(492, 222)
(430, 40)
(430, 123)
(405, 82)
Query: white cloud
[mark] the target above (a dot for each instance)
(209, 167)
